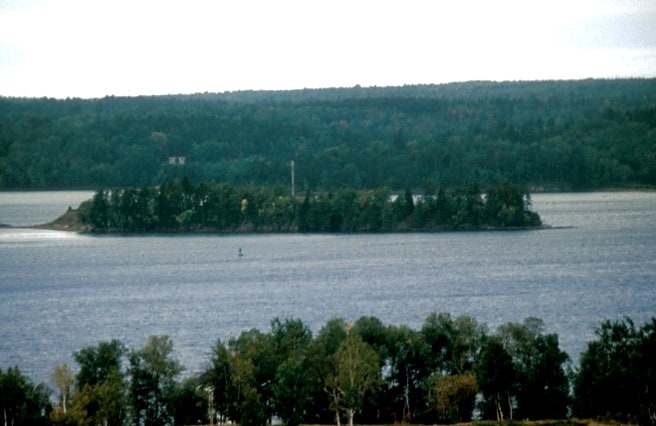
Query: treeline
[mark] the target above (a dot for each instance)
(449, 371)
(556, 135)
(183, 206)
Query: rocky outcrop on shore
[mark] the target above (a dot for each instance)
(69, 221)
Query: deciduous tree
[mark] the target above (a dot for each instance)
(616, 376)
(495, 375)
(63, 378)
(454, 397)
(357, 375)
(101, 387)
(153, 373)
(541, 387)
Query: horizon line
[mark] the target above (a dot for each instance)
(318, 88)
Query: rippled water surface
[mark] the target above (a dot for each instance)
(60, 292)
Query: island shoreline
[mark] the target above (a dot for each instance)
(69, 222)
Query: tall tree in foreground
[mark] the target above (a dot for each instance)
(321, 364)
(253, 372)
(291, 385)
(192, 404)
(646, 367)
(605, 385)
(291, 390)
(219, 376)
(495, 375)
(153, 374)
(357, 375)
(407, 371)
(63, 378)
(101, 385)
(541, 386)
(617, 375)
(21, 402)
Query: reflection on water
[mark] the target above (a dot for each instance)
(29, 235)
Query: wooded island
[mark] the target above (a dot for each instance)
(180, 206)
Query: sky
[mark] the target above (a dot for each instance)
(97, 48)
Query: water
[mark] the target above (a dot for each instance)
(60, 292)
(38, 207)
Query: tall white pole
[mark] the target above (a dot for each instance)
(293, 188)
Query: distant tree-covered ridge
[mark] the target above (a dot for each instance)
(551, 134)
(183, 206)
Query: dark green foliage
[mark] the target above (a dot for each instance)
(373, 332)
(98, 363)
(292, 390)
(405, 397)
(558, 135)
(544, 389)
(495, 376)
(321, 363)
(380, 374)
(22, 402)
(506, 205)
(542, 386)
(189, 402)
(356, 378)
(292, 386)
(617, 375)
(453, 343)
(153, 385)
(101, 385)
(182, 206)
(219, 378)
(446, 348)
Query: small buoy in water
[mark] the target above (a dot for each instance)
(240, 252)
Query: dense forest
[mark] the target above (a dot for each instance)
(451, 370)
(542, 135)
(183, 206)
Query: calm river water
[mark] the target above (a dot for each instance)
(60, 292)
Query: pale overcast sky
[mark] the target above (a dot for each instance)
(93, 48)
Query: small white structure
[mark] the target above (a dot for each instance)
(177, 161)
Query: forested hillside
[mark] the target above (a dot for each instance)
(555, 135)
